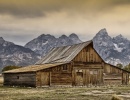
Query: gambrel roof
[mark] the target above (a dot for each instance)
(63, 54)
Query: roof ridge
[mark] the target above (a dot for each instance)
(69, 52)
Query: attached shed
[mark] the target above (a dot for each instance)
(76, 65)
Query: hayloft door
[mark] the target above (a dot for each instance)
(45, 78)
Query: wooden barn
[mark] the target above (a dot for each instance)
(75, 65)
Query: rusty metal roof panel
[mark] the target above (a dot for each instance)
(63, 54)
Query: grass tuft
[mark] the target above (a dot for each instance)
(115, 97)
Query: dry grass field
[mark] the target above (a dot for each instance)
(64, 93)
(1, 80)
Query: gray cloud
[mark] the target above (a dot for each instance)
(17, 38)
(37, 8)
(23, 20)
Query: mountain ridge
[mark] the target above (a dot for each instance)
(113, 50)
(12, 54)
(48, 42)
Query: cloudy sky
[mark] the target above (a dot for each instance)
(23, 20)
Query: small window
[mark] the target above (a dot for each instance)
(65, 67)
(91, 72)
(17, 77)
(95, 72)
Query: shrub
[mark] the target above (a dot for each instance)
(127, 67)
(10, 68)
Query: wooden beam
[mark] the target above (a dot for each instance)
(81, 62)
(50, 78)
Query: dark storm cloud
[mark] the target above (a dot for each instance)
(37, 8)
(23, 20)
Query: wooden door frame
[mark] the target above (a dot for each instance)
(48, 79)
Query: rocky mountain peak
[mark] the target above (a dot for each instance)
(45, 36)
(103, 38)
(12, 54)
(4, 42)
(44, 43)
(103, 32)
(1, 40)
(63, 37)
(73, 35)
(112, 50)
(119, 37)
(74, 38)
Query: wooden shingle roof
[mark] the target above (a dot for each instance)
(63, 54)
(33, 68)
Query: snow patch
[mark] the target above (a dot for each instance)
(117, 48)
(44, 43)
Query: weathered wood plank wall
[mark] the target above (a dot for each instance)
(56, 76)
(20, 79)
(87, 68)
(88, 54)
(112, 75)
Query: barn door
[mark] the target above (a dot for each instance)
(45, 80)
(124, 78)
(79, 78)
(94, 77)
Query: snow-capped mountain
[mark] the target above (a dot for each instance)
(113, 50)
(44, 43)
(11, 54)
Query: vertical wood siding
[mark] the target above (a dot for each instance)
(112, 75)
(55, 76)
(87, 68)
(88, 54)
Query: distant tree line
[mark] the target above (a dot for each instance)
(127, 67)
(10, 68)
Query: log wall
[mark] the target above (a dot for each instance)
(59, 76)
(20, 79)
(55, 76)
